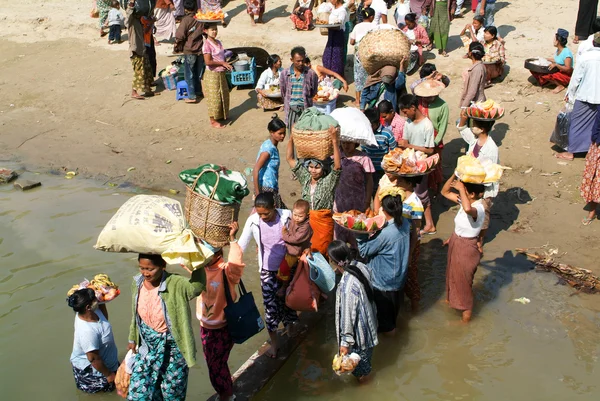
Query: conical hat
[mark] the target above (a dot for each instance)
(429, 87)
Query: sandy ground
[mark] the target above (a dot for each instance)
(65, 104)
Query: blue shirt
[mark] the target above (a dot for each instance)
(268, 175)
(94, 336)
(385, 144)
(387, 255)
(560, 58)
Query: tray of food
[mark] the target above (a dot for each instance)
(485, 111)
(210, 17)
(539, 65)
(409, 163)
(105, 289)
(360, 222)
(328, 25)
(471, 170)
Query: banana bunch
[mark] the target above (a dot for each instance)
(487, 105)
(102, 280)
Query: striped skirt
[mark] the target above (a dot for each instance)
(463, 259)
(216, 91)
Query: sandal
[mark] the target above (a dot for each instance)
(586, 221)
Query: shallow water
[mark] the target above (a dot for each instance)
(46, 246)
(546, 350)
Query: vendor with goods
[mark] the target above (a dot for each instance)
(327, 78)
(217, 342)
(495, 55)
(387, 255)
(266, 228)
(333, 55)
(267, 87)
(94, 358)
(388, 83)
(463, 253)
(161, 332)
(419, 40)
(355, 311)
(419, 136)
(214, 82)
(561, 64)
(319, 182)
(481, 147)
(299, 84)
(189, 39)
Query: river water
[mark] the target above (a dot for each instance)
(545, 350)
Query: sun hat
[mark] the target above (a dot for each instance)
(428, 88)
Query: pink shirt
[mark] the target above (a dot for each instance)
(150, 309)
(217, 52)
(397, 126)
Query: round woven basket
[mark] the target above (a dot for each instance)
(208, 219)
(383, 47)
(312, 144)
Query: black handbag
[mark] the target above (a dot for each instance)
(243, 317)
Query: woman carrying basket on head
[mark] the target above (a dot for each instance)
(318, 182)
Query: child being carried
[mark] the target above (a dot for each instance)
(297, 237)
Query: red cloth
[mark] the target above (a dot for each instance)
(436, 177)
(302, 25)
(559, 77)
(463, 259)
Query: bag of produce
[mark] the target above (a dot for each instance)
(560, 135)
(312, 119)
(345, 363)
(123, 376)
(383, 47)
(472, 170)
(153, 224)
(354, 126)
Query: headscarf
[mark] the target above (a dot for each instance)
(563, 33)
(376, 78)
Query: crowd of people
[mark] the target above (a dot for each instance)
(377, 270)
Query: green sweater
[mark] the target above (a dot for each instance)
(176, 293)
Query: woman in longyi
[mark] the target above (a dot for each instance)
(318, 182)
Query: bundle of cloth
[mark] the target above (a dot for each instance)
(232, 186)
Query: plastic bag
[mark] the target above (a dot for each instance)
(469, 169)
(345, 364)
(153, 224)
(123, 375)
(560, 135)
(354, 126)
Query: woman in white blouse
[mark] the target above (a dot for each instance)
(267, 87)
(333, 56)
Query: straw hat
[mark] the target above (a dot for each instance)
(428, 88)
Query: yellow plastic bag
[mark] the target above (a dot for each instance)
(469, 169)
(156, 225)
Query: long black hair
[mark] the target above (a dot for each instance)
(156, 260)
(392, 205)
(80, 299)
(272, 59)
(477, 50)
(275, 124)
(265, 200)
(344, 257)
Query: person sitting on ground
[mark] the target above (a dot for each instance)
(391, 120)
(94, 358)
(189, 39)
(115, 23)
(474, 31)
(269, 79)
(302, 15)
(322, 72)
(494, 51)
(419, 40)
(385, 144)
(463, 254)
(562, 62)
(419, 135)
(481, 147)
(355, 316)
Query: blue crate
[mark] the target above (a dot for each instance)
(326, 108)
(240, 78)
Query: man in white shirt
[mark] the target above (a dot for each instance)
(584, 91)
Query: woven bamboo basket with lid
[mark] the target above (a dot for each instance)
(383, 47)
(209, 219)
(312, 144)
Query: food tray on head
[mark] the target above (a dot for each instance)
(541, 69)
(328, 26)
(483, 118)
(397, 174)
(210, 21)
(357, 231)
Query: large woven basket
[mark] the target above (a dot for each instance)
(381, 48)
(208, 218)
(312, 144)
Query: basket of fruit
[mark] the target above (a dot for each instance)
(409, 163)
(360, 222)
(105, 289)
(485, 111)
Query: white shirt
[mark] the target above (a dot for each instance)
(465, 226)
(339, 15)
(360, 30)
(410, 34)
(401, 10)
(585, 46)
(115, 17)
(489, 151)
(419, 134)
(380, 9)
(267, 78)
(585, 82)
